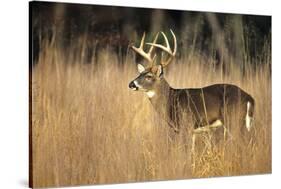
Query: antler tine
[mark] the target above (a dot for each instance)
(140, 50)
(175, 43)
(167, 48)
(142, 41)
(165, 63)
(154, 41)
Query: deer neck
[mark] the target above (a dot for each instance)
(159, 95)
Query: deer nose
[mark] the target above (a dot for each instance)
(132, 85)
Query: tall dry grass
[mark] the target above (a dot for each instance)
(89, 128)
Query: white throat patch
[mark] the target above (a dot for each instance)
(150, 94)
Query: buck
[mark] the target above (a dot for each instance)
(205, 105)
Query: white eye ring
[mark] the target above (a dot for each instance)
(149, 78)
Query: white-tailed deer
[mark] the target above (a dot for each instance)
(206, 105)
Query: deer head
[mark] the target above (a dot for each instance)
(151, 74)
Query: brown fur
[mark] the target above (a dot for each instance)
(205, 105)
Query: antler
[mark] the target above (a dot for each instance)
(166, 49)
(140, 50)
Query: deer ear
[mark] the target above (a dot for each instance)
(140, 68)
(159, 71)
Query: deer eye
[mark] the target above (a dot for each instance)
(148, 77)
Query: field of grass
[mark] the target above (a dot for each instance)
(88, 127)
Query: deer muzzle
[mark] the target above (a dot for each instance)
(133, 86)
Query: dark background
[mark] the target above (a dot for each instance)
(117, 27)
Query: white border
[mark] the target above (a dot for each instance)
(228, 6)
(14, 91)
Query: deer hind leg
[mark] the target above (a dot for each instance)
(214, 125)
(202, 130)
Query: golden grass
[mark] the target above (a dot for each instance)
(89, 128)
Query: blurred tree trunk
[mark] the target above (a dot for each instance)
(218, 39)
(157, 20)
(239, 51)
